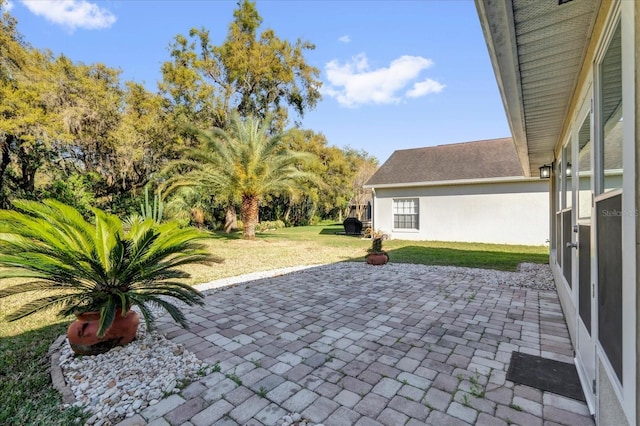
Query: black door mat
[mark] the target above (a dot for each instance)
(545, 374)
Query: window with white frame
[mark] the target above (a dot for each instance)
(608, 204)
(609, 156)
(405, 213)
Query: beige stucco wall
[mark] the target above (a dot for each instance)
(504, 213)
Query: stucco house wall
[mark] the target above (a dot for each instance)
(503, 212)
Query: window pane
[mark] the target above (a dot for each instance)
(584, 274)
(609, 247)
(405, 206)
(611, 114)
(405, 213)
(584, 169)
(567, 252)
(567, 172)
(558, 218)
(558, 184)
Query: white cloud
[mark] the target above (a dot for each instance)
(425, 87)
(354, 83)
(345, 39)
(72, 13)
(8, 5)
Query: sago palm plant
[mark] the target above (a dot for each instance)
(99, 266)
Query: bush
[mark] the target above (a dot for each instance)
(373, 234)
(269, 225)
(75, 190)
(315, 220)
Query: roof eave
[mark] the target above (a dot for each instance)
(507, 179)
(498, 26)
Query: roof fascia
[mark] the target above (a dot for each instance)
(508, 179)
(498, 26)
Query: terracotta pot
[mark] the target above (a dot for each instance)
(377, 258)
(82, 332)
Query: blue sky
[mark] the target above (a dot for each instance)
(396, 74)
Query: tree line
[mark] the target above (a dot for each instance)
(78, 133)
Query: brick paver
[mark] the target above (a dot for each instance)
(351, 344)
(184, 412)
(162, 407)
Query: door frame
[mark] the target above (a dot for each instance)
(585, 341)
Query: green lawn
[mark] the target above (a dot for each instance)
(311, 245)
(25, 388)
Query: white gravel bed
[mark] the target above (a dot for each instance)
(126, 380)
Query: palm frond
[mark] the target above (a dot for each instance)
(102, 266)
(63, 288)
(147, 314)
(175, 312)
(107, 234)
(177, 290)
(52, 223)
(107, 315)
(52, 301)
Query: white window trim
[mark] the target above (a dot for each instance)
(623, 13)
(393, 216)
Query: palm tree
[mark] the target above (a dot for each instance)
(244, 163)
(101, 266)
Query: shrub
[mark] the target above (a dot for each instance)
(100, 266)
(269, 225)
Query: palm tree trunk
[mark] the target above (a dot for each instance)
(4, 164)
(249, 216)
(287, 213)
(230, 218)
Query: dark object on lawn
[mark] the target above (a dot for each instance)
(546, 374)
(352, 226)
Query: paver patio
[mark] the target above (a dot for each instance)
(350, 344)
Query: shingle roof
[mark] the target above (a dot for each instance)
(494, 158)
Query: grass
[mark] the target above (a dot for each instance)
(262, 392)
(25, 386)
(312, 245)
(234, 377)
(27, 395)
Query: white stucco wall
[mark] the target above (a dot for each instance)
(504, 212)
